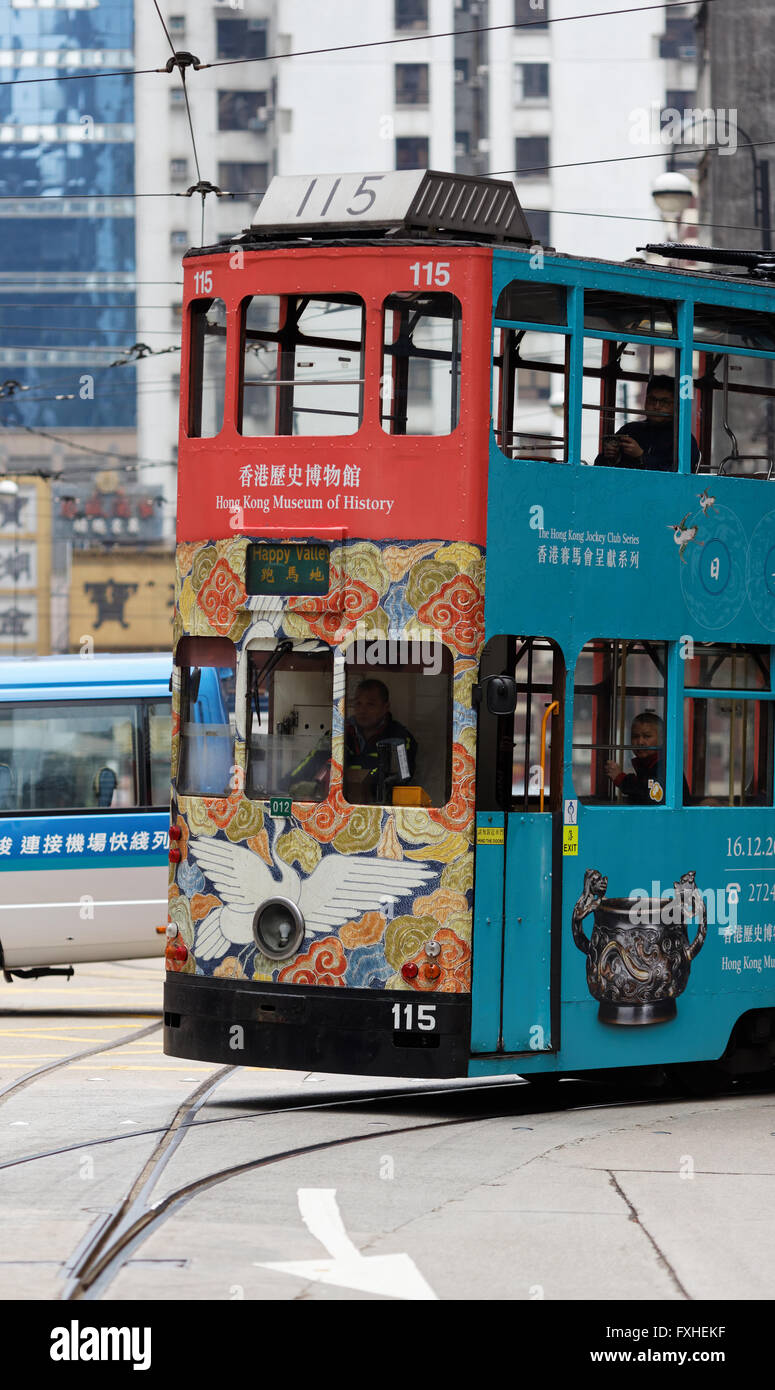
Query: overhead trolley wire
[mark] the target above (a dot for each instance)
(372, 43)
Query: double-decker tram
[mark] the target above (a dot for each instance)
(473, 684)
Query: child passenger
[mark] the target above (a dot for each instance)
(645, 785)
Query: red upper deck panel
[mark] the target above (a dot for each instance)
(399, 486)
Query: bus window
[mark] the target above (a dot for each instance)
(398, 723)
(734, 408)
(159, 716)
(420, 392)
(207, 373)
(619, 722)
(74, 757)
(302, 364)
(630, 407)
(727, 736)
(207, 685)
(290, 702)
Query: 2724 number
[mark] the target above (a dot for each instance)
(408, 1017)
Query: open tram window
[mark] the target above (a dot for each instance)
(619, 722)
(728, 726)
(69, 757)
(289, 696)
(630, 405)
(520, 757)
(207, 373)
(302, 365)
(398, 723)
(734, 392)
(420, 391)
(207, 687)
(530, 372)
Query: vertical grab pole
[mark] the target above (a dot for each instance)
(550, 709)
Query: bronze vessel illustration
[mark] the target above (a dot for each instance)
(639, 954)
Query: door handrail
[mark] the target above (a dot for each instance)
(550, 709)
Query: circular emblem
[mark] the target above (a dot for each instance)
(713, 572)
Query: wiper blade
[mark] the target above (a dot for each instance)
(273, 659)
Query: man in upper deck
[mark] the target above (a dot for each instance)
(648, 443)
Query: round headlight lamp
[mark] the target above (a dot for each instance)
(278, 928)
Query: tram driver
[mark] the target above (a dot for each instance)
(379, 752)
(648, 443)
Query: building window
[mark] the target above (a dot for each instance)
(539, 221)
(411, 14)
(462, 143)
(535, 12)
(248, 179)
(680, 39)
(179, 169)
(411, 84)
(177, 99)
(242, 110)
(177, 24)
(532, 156)
(412, 152)
(179, 239)
(462, 69)
(531, 82)
(241, 38)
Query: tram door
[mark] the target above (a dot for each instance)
(518, 884)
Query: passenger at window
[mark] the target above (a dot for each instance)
(379, 752)
(648, 443)
(645, 785)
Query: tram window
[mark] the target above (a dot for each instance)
(721, 326)
(207, 684)
(727, 740)
(625, 314)
(302, 364)
(619, 722)
(74, 757)
(529, 302)
(289, 711)
(509, 756)
(398, 724)
(421, 344)
(207, 377)
(530, 372)
(734, 413)
(159, 740)
(630, 406)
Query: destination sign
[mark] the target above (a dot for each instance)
(287, 569)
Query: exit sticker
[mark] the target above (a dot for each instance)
(570, 839)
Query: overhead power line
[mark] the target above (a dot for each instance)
(371, 43)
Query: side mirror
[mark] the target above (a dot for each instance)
(500, 693)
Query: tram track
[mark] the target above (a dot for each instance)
(20, 1084)
(99, 1260)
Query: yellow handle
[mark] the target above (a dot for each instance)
(549, 711)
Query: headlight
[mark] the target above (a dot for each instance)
(278, 928)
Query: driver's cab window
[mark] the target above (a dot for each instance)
(519, 756)
(398, 723)
(207, 688)
(619, 722)
(289, 712)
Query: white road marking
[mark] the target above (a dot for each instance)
(393, 1276)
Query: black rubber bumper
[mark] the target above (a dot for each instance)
(306, 1028)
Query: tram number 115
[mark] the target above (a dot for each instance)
(407, 1017)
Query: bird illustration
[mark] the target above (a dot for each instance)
(707, 502)
(338, 890)
(683, 535)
